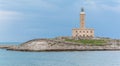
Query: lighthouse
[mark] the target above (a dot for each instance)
(82, 32)
(82, 18)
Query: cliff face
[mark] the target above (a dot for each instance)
(60, 45)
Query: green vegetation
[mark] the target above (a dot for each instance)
(88, 42)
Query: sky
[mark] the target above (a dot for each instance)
(23, 20)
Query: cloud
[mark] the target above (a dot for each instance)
(40, 4)
(111, 8)
(99, 5)
(28, 4)
(8, 15)
(7, 18)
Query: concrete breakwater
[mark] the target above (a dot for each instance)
(60, 45)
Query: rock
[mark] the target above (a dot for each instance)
(60, 45)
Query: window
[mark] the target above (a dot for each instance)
(83, 31)
(87, 36)
(76, 35)
(91, 35)
(91, 31)
(87, 31)
(83, 35)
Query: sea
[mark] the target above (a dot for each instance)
(66, 58)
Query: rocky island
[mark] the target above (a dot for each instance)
(82, 39)
(66, 44)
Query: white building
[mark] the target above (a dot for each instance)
(82, 32)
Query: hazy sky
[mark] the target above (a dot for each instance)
(22, 20)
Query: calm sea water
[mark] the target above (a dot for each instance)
(77, 58)
(10, 43)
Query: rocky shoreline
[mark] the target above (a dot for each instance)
(39, 45)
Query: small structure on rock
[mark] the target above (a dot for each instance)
(82, 32)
